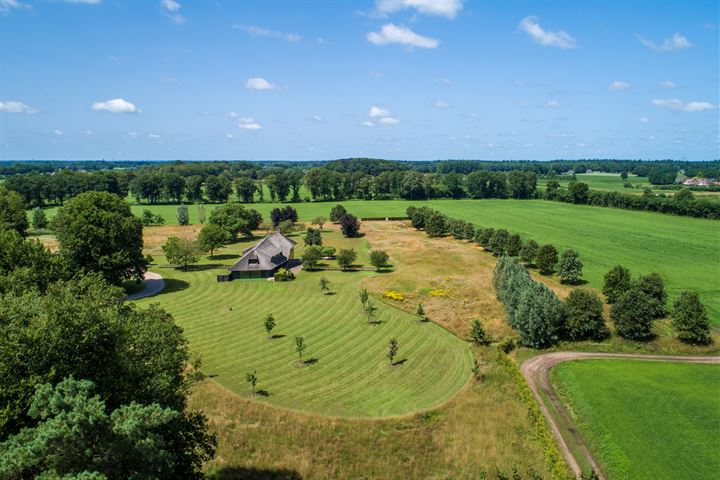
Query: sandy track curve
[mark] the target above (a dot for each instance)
(154, 284)
(537, 374)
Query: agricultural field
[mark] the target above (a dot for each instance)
(608, 182)
(346, 371)
(646, 420)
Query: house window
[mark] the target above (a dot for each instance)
(253, 260)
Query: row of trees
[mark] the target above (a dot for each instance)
(683, 203)
(500, 242)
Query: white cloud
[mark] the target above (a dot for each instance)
(389, 121)
(259, 83)
(441, 104)
(668, 84)
(7, 6)
(617, 86)
(13, 106)
(153, 135)
(391, 33)
(86, 132)
(554, 103)
(558, 39)
(378, 112)
(644, 120)
(376, 74)
(86, 2)
(232, 114)
(445, 81)
(58, 132)
(445, 8)
(255, 31)
(229, 135)
(116, 105)
(173, 8)
(317, 118)
(675, 104)
(672, 44)
(132, 134)
(248, 123)
(382, 116)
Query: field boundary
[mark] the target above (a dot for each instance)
(536, 372)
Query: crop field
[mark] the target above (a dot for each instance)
(346, 371)
(646, 420)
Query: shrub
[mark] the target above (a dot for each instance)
(39, 219)
(514, 245)
(349, 224)
(583, 317)
(506, 345)
(328, 252)
(690, 319)
(183, 216)
(477, 333)
(336, 212)
(393, 295)
(547, 258)
(529, 251)
(570, 267)
(485, 236)
(632, 314)
(417, 217)
(313, 237)
(283, 275)
(286, 227)
(439, 292)
(435, 224)
(617, 282)
(149, 218)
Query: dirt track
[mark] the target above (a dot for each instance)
(536, 372)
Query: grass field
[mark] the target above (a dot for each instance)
(683, 250)
(608, 182)
(646, 420)
(347, 373)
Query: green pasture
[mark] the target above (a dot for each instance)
(609, 182)
(646, 420)
(348, 373)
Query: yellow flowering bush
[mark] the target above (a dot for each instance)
(393, 295)
(439, 292)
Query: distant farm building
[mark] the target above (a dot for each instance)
(263, 259)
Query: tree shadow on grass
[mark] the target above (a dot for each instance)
(262, 393)
(330, 293)
(277, 335)
(224, 256)
(399, 362)
(205, 266)
(251, 473)
(173, 285)
(310, 361)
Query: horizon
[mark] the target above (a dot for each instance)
(388, 79)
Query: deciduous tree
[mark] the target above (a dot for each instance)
(181, 251)
(570, 267)
(213, 237)
(547, 258)
(346, 257)
(690, 319)
(392, 350)
(617, 282)
(349, 225)
(583, 313)
(378, 259)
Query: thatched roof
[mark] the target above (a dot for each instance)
(270, 252)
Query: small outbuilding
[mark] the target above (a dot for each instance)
(263, 259)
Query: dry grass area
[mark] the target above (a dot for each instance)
(484, 426)
(154, 237)
(49, 241)
(423, 265)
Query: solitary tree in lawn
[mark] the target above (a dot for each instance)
(251, 378)
(324, 285)
(349, 225)
(299, 348)
(363, 296)
(346, 257)
(370, 311)
(392, 350)
(181, 251)
(39, 219)
(213, 237)
(183, 216)
(269, 324)
(378, 259)
(311, 257)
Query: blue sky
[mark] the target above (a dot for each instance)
(399, 79)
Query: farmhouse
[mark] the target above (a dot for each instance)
(263, 259)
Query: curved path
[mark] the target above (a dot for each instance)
(537, 374)
(154, 284)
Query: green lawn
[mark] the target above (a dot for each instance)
(683, 250)
(647, 420)
(351, 375)
(610, 182)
